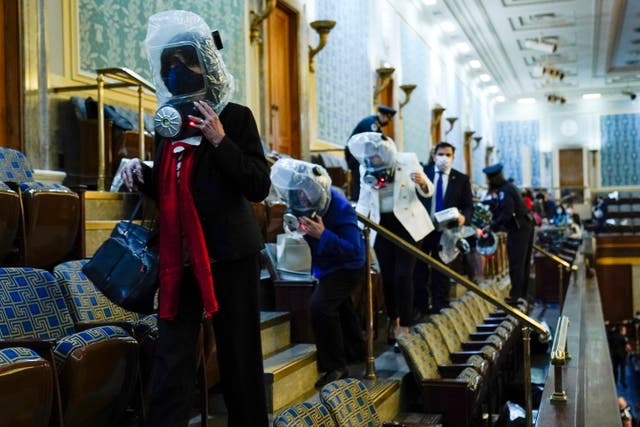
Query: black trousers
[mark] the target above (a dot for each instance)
(519, 247)
(335, 323)
(396, 267)
(237, 330)
(438, 284)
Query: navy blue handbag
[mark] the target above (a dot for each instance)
(125, 266)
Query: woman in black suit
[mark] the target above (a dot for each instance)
(209, 166)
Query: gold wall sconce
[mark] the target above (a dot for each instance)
(452, 121)
(384, 77)
(407, 89)
(477, 139)
(436, 119)
(487, 154)
(257, 19)
(322, 27)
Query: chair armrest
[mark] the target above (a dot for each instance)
(37, 345)
(392, 424)
(462, 356)
(487, 327)
(453, 370)
(124, 324)
(479, 336)
(494, 318)
(475, 345)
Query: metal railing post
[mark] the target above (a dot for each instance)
(560, 286)
(559, 357)
(101, 136)
(526, 373)
(371, 359)
(141, 148)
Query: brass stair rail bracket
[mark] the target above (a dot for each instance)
(127, 78)
(559, 357)
(543, 332)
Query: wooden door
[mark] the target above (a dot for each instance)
(571, 173)
(284, 110)
(386, 98)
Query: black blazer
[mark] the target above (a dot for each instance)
(458, 193)
(224, 182)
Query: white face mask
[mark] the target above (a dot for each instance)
(443, 163)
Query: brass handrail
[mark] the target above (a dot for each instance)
(554, 257)
(559, 353)
(559, 356)
(403, 244)
(126, 78)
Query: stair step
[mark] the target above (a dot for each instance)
(290, 376)
(104, 205)
(275, 331)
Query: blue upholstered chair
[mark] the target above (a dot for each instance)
(87, 304)
(51, 213)
(26, 387)
(96, 368)
(304, 414)
(9, 219)
(349, 403)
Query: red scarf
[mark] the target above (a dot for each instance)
(180, 225)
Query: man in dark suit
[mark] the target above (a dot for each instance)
(452, 189)
(203, 179)
(373, 123)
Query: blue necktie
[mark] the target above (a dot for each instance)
(439, 194)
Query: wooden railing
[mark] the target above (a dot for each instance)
(587, 377)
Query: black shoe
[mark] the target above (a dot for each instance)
(333, 375)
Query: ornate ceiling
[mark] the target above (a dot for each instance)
(598, 44)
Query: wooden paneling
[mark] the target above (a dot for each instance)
(614, 257)
(615, 290)
(587, 377)
(11, 102)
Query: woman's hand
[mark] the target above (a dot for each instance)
(210, 125)
(313, 228)
(132, 174)
(420, 179)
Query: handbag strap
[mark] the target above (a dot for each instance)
(136, 209)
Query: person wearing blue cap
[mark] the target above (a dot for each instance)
(373, 123)
(511, 215)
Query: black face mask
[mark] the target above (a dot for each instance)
(172, 121)
(182, 81)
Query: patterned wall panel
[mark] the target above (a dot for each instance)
(344, 79)
(620, 149)
(415, 117)
(112, 34)
(510, 136)
(477, 153)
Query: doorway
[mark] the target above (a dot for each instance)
(282, 85)
(572, 175)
